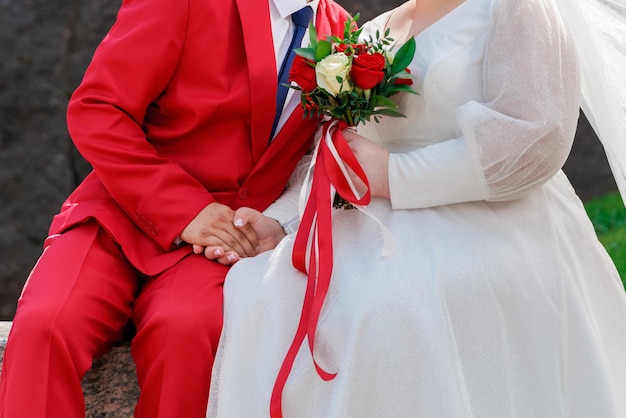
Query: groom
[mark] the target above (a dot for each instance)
(175, 114)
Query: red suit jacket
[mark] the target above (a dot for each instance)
(176, 113)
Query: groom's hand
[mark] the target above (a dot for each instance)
(213, 233)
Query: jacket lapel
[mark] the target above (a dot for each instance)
(257, 33)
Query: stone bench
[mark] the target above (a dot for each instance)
(110, 387)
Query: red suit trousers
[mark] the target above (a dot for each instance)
(76, 303)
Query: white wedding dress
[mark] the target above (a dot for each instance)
(498, 301)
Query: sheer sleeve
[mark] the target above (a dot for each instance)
(520, 135)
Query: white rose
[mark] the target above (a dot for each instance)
(331, 67)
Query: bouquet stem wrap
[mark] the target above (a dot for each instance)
(313, 244)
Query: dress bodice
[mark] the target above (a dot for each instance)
(447, 72)
(497, 106)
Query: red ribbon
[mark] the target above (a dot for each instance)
(315, 235)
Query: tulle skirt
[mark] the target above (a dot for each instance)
(483, 310)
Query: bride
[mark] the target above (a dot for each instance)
(498, 300)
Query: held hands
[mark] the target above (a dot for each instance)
(375, 162)
(224, 235)
(213, 233)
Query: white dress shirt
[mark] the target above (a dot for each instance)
(282, 31)
(285, 209)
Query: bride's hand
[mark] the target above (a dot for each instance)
(268, 231)
(375, 161)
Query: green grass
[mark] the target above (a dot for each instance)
(608, 216)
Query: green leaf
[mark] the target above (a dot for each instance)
(390, 112)
(384, 102)
(403, 57)
(349, 25)
(291, 86)
(312, 35)
(398, 88)
(356, 34)
(307, 53)
(324, 48)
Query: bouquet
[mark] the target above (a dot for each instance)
(349, 81)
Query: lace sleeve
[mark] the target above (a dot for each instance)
(523, 133)
(519, 134)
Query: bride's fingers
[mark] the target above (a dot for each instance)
(197, 249)
(351, 136)
(217, 253)
(213, 252)
(358, 183)
(229, 259)
(246, 216)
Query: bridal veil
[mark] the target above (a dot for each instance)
(598, 28)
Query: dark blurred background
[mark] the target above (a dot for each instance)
(45, 46)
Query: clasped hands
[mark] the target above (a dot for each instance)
(226, 235)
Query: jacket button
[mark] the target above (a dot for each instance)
(243, 193)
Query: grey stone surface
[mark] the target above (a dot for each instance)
(110, 387)
(45, 46)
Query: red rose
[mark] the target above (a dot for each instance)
(407, 81)
(367, 70)
(357, 48)
(341, 47)
(303, 74)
